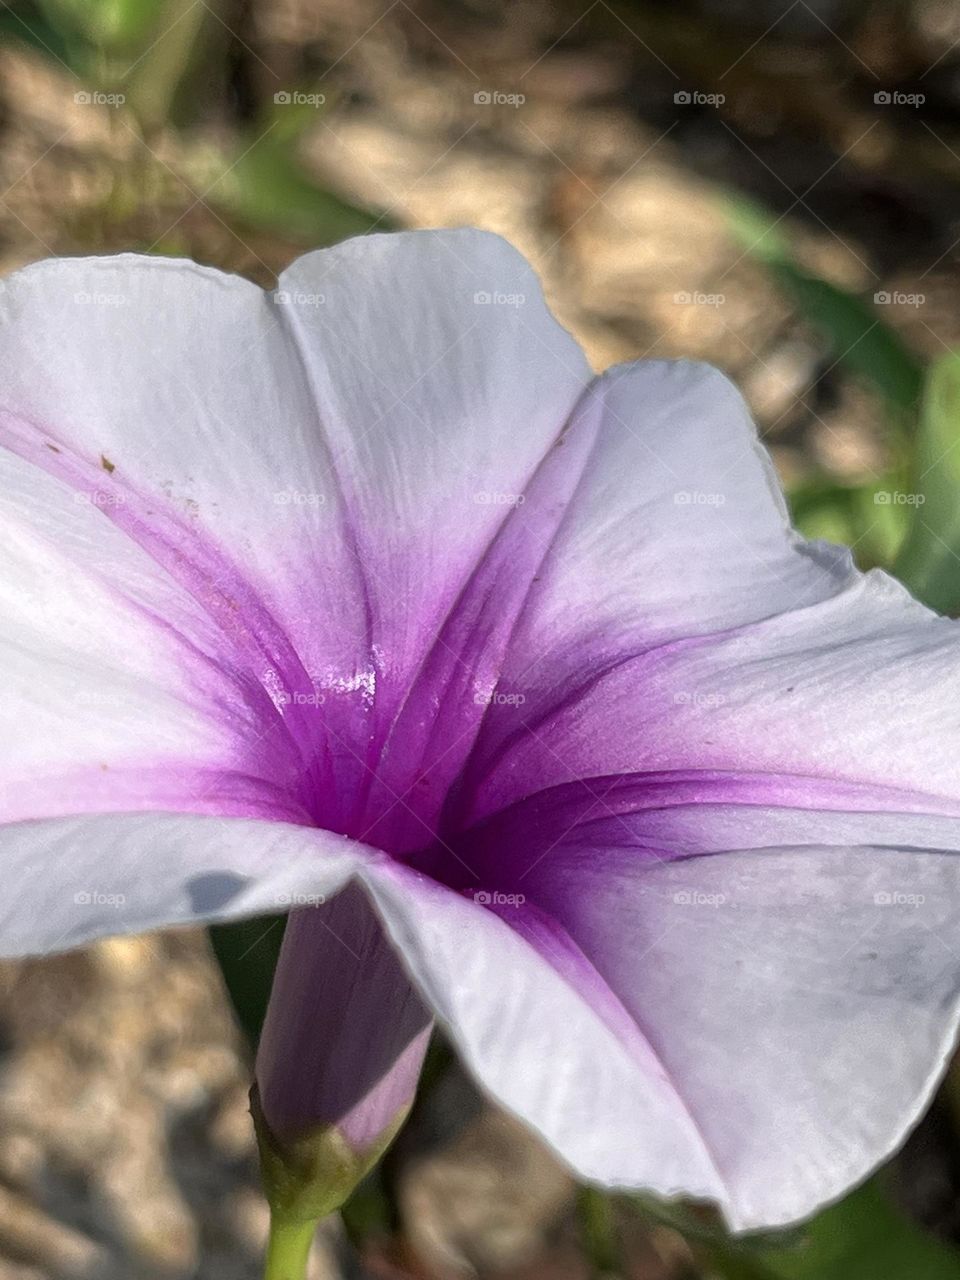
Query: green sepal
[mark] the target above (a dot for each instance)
(306, 1178)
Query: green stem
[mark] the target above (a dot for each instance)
(288, 1249)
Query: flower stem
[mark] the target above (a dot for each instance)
(288, 1249)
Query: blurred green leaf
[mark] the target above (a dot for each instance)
(929, 563)
(266, 187)
(598, 1231)
(139, 47)
(30, 25)
(821, 508)
(885, 522)
(247, 953)
(857, 336)
(863, 1237)
(156, 74)
(125, 23)
(756, 229)
(862, 517)
(368, 1212)
(107, 24)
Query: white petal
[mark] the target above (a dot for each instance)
(69, 880)
(225, 505)
(705, 634)
(804, 1001)
(571, 1067)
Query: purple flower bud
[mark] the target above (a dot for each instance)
(345, 1034)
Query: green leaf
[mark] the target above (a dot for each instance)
(824, 509)
(864, 1237)
(368, 1212)
(756, 229)
(857, 336)
(34, 28)
(881, 523)
(865, 518)
(930, 561)
(125, 24)
(247, 952)
(266, 187)
(161, 67)
(598, 1231)
(107, 24)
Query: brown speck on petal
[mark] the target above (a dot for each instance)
(107, 465)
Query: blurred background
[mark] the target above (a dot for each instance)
(773, 186)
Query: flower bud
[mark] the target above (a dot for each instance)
(339, 1058)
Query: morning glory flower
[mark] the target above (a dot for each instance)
(369, 585)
